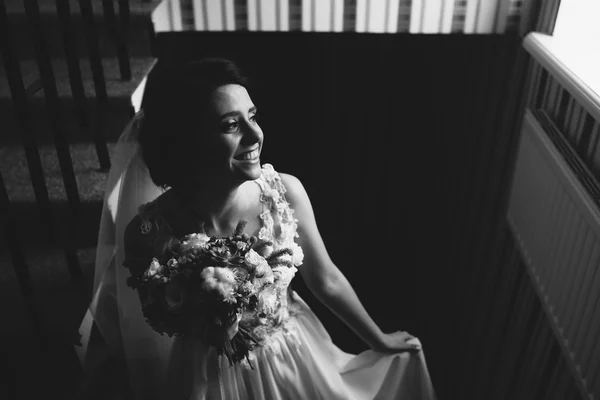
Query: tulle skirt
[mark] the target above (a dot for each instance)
(300, 362)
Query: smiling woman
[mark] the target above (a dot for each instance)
(199, 138)
(208, 107)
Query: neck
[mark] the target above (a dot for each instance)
(215, 205)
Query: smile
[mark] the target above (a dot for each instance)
(249, 155)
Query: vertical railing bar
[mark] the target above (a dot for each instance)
(99, 81)
(75, 78)
(62, 148)
(18, 94)
(94, 50)
(99, 141)
(52, 105)
(125, 23)
(116, 32)
(19, 263)
(125, 13)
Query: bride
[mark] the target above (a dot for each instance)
(191, 158)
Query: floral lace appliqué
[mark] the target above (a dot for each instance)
(148, 213)
(270, 322)
(273, 195)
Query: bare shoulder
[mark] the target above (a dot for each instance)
(295, 192)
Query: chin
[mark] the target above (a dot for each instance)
(249, 172)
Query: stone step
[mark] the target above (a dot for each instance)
(110, 118)
(90, 180)
(139, 32)
(91, 185)
(61, 305)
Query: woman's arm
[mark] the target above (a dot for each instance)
(328, 283)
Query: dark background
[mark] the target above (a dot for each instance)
(384, 132)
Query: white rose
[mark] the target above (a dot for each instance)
(263, 269)
(225, 275)
(267, 302)
(221, 280)
(195, 240)
(253, 258)
(154, 268)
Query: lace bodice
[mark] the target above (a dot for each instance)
(278, 227)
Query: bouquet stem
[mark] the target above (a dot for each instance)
(239, 347)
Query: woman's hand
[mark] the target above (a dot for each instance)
(397, 342)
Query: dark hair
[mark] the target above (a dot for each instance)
(173, 95)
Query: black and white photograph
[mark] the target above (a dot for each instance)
(300, 199)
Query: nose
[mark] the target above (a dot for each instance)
(252, 132)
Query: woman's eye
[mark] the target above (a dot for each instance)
(230, 126)
(254, 118)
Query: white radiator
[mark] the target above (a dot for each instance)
(555, 219)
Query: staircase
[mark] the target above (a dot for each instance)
(30, 367)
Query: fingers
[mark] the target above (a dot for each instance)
(409, 349)
(413, 347)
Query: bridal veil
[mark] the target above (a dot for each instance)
(115, 309)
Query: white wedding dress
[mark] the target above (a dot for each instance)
(296, 359)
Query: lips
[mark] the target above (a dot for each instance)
(248, 155)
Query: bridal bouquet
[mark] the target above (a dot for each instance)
(204, 284)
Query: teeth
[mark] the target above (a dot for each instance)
(251, 155)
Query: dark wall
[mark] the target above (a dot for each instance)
(401, 142)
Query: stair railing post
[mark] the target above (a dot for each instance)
(118, 35)
(91, 35)
(62, 147)
(19, 97)
(75, 78)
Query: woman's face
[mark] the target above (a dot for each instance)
(230, 140)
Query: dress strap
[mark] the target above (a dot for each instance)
(278, 212)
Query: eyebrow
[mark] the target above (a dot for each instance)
(235, 113)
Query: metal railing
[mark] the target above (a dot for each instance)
(61, 234)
